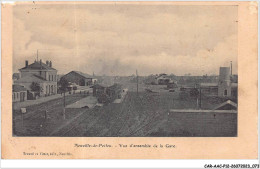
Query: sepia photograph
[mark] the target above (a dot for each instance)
(125, 70)
(129, 80)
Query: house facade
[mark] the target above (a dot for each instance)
(40, 74)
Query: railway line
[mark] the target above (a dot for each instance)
(35, 115)
(139, 115)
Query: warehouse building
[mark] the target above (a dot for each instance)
(79, 78)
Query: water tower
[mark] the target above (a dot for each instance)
(224, 83)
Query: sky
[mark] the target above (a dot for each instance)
(117, 39)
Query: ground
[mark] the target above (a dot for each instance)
(143, 114)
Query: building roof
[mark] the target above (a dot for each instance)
(115, 86)
(209, 85)
(87, 76)
(37, 66)
(227, 105)
(234, 85)
(201, 111)
(31, 78)
(18, 88)
(16, 75)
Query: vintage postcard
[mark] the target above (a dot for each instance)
(129, 80)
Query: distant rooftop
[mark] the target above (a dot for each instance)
(18, 88)
(208, 84)
(87, 76)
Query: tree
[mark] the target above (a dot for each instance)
(63, 85)
(35, 87)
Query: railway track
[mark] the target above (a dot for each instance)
(74, 125)
(36, 115)
(119, 123)
(142, 126)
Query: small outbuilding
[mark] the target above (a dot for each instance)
(19, 93)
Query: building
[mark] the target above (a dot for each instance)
(225, 86)
(227, 105)
(79, 78)
(209, 89)
(41, 74)
(19, 93)
(163, 79)
(106, 93)
(172, 84)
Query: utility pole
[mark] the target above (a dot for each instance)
(64, 116)
(37, 54)
(231, 67)
(200, 98)
(136, 81)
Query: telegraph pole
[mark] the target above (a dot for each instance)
(64, 113)
(37, 54)
(136, 81)
(200, 98)
(231, 67)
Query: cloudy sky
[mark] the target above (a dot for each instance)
(117, 39)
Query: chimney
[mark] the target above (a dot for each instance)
(40, 62)
(50, 64)
(47, 62)
(26, 63)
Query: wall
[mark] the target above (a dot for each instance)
(44, 92)
(48, 88)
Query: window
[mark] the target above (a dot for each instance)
(225, 92)
(14, 96)
(49, 77)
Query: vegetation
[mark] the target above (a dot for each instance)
(35, 87)
(63, 83)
